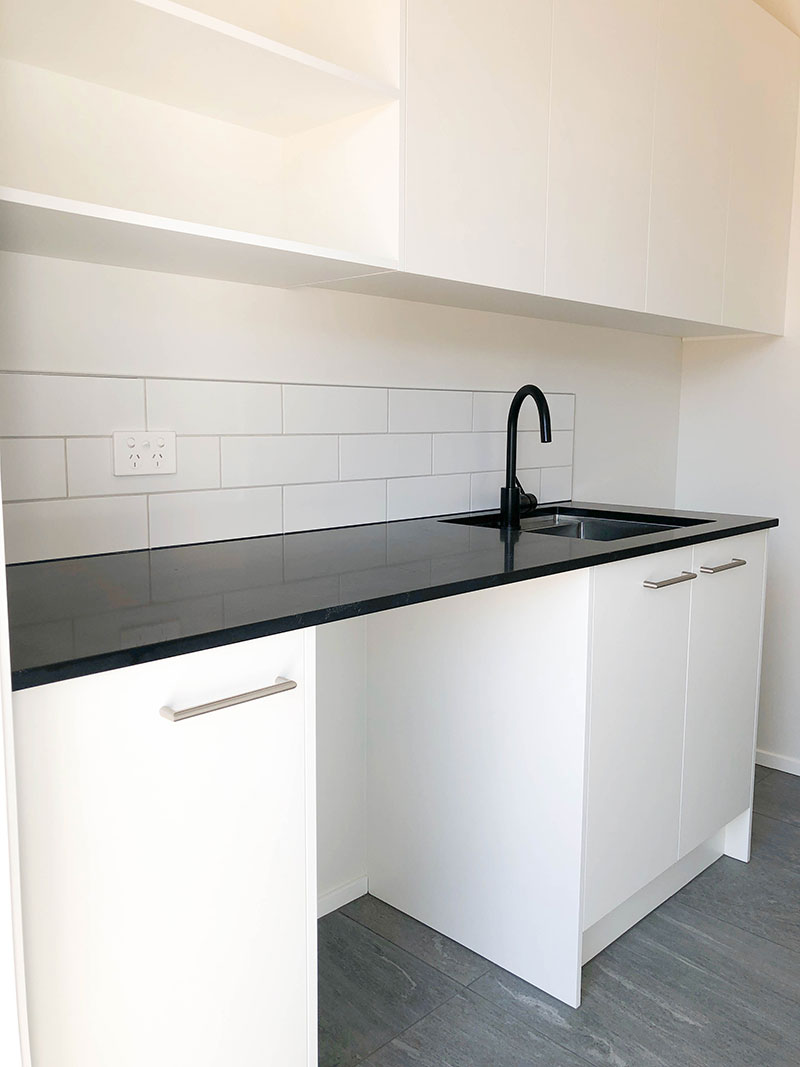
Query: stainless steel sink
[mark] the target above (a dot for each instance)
(603, 529)
(576, 523)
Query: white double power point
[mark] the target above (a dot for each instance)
(145, 452)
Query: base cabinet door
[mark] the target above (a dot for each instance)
(722, 689)
(168, 877)
(637, 694)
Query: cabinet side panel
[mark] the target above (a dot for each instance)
(476, 735)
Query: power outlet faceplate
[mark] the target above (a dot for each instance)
(145, 452)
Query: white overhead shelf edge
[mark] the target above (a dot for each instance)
(44, 225)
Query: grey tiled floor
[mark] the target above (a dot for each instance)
(710, 979)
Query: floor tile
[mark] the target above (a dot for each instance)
(468, 1031)
(762, 772)
(707, 1020)
(459, 963)
(778, 796)
(369, 991)
(777, 841)
(741, 958)
(760, 896)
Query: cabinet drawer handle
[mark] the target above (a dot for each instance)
(282, 685)
(684, 576)
(724, 566)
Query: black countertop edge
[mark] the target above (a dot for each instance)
(715, 527)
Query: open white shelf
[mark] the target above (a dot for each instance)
(177, 55)
(42, 225)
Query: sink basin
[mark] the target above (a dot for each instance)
(603, 529)
(586, 526)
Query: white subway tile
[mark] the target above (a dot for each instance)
(279, 460)
(462, 453)
(213, 407)
(51, 529)
(556, 453)
(217, 515)
(317, 507)
(32, 468)
(385, 455)
(90, 466)
(490, 412)
(334, 409)
(411, 498)
(54, 405)
(556, 484)
(429, 411)
(485, 487)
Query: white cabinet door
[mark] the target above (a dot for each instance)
(762, 167)
(601, 141)
(637, 696)
(695, 114)
(168, 876)
(476, 140)
(722, 691)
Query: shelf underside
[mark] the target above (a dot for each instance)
(171, 53)
(419, 288)
(49, 226)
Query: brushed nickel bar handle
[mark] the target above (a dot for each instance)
(724, 566)
(684, 576)
(282, 685)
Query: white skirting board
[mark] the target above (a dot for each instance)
(777, 763)
(343, 894)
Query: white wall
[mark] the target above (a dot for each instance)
(739, 451)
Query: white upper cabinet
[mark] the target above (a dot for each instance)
(476, 150)
(767, 59)
(691, 161)
(601, 140)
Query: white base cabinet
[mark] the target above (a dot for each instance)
(546, 762)
(168, 868)
(549, 761)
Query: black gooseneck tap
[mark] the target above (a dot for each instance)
(511, 493)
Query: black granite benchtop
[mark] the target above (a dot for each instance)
(79, 616)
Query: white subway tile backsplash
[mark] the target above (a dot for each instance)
(556, 453)
(485, 487)
(217, 515)
(385, 455)
(317, 507)
(213, 407)
(334, 409)
(54, 405)
(90, 467)
(279, 460)
(490, 412)
(411, 498)
(429, 411)
(51, 529)
(32, 468)
(462, 453)
(556, 484)
(255, 458)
